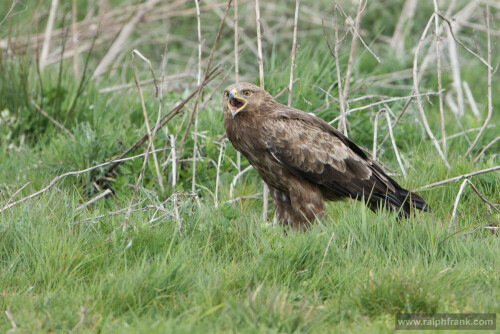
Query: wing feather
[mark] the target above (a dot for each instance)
(313, 150)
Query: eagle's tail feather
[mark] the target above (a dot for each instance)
(402, 201)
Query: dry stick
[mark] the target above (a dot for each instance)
(48, 34)
(14, 3)
(240, 198)
(195, 145)
(150, 136)
(136, 188)
(463, 132)
(392, 99)
(326, 251)
(143, 83)
(342, 120)
(490, 104)
(56, 123)
(265, 190)
(408, 12)
(485, 148)
(95, 199)
(76, 67)
(353, 49)
(457, 178)
(355, 31)
(407, 104)
(294, 49)
(145, 113)
(451, 226)
(236, 178)
(463, 14)
(493, 206)
(472, 101)
(117, 46)
(17, 192)
(60, 177)
(419, 101)
(394, 145)
(236, 67)
(396, 152)
(165, 119)
(217, 179)
(488, 64)
(236, 52)
(205, 76)
(177, 216)
(11, 320)
(454, 108)
(174, 161)
(455, 70)
(438, 58)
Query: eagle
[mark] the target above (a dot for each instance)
(305, 161)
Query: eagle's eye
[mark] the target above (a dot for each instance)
(226, 95)
(246, 92)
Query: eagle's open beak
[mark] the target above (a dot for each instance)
(235, 103)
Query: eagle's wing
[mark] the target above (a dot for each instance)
(313, 150)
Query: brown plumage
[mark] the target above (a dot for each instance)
(304, 160)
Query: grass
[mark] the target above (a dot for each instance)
(229, 271)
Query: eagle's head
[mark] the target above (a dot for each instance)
(243, 96)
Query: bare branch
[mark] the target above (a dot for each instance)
(490, 103)
(485, 148)
(458, 178)
(419, 101)
(294, 49)
(60, 177)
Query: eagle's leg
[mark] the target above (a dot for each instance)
(300, 206)
(307, 203)
(282, 206)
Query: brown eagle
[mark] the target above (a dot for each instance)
(304, 160)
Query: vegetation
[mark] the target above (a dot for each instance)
(67, 265)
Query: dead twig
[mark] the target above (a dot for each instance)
(165, 119)
(490, 104)
(119, 42)
(451, 226)
(294, 49)
(396, 152)
(60, 177)
(326, 252)
(144, 82)
(205, 76)
(393, 99)
(217, 179)
(48, 34)
(265, 190)
(14, 3)
(457, 178)
(11, 320)
(14, 195)
(342, 118)
(236, 178)
(488, 64)
(236, 67)
(438, 59)
(52, 120)
(95, 199)
(195, 145)
(419, 101)
(485, 148)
